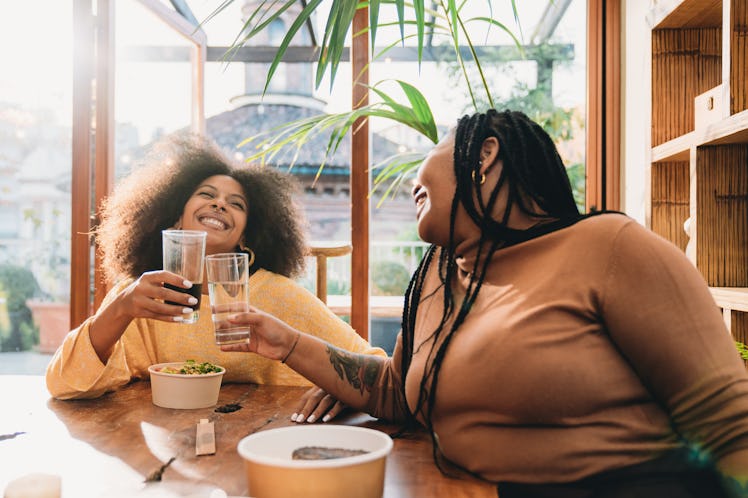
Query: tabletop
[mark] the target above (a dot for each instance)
(111, 445)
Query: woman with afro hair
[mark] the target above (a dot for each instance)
(187, 183)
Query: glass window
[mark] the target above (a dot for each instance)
(547, 82)
(153, 82)
(35, 175)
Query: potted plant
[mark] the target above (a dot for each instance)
(416, 20)
(50, 306)
(17, 284)
(52, 318)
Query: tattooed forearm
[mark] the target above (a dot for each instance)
(360, 371)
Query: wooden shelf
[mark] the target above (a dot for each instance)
(687, 14)
(733, 298)
(698, 160)
(731, 130)
(677, 149)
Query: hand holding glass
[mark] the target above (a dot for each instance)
(184, 253)
(228, 288)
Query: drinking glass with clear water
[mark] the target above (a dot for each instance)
(228, 290)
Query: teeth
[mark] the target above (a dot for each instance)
(213, 222)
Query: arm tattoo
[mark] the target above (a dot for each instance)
(359, 370)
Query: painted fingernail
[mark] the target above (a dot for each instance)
(178, 318)
(187, 310)
(326, 418)
(187, 284)
(192, 300)
(293, 417)
(311, 418)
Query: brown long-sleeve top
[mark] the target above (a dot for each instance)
(589, 348)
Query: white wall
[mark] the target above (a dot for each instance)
(635, 91)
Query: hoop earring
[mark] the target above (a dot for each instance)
(248, 251)
(480, 180)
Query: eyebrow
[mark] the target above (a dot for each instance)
(208, 185)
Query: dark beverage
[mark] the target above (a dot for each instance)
(195, 291)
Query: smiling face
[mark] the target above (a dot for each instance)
(433, 191)
(218, 206)
(436, 185)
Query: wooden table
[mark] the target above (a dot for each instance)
(108, 446)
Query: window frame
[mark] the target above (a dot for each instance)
(93, 132)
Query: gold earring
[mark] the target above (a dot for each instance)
(481, 180)
(248, 251)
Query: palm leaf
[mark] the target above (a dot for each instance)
(418, 117)
(295, 26)
(333, 42)
(400, 5)
(374, 20)
(271, 143)
(415, 113)
(256, 23)
(392, 172)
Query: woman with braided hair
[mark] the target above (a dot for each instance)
(552, 353)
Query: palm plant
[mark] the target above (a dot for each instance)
(442, 18)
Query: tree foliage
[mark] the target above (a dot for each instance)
(17, 284)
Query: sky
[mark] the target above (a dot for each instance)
(36, 51)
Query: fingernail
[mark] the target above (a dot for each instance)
(178, 318)
(326, 418)
(192, 300)
(187, 283)
(311, 418)
(187, 310)
(293, 418)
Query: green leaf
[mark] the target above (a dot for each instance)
(252, 28)
(297, 24)
(400, 4)
(374, 19)
(418, 7)
(503, 27)
(421, 109)
(742, 350)
(294, 135)
(333, 42)
(392, 172)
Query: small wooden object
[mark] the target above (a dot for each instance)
(205, 439)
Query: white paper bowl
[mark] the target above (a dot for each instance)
(184, 391)
(272, 473)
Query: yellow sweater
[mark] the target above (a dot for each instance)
(75, 371)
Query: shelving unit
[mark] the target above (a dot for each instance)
(699, 153)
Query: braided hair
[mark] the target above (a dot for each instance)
(534, 175)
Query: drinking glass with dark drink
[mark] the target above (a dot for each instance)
(184, 253)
